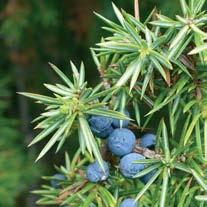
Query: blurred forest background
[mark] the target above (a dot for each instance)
(33, 33)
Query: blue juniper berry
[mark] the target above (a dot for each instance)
(128, 203)
(117, 123)
(128, 166)
(101, 126)
(148, 141)
(121, 141)
(95, 173)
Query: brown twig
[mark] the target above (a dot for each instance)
(73, 189)
(136, 9)
(105, 81)
(147, 153)
(135, 127)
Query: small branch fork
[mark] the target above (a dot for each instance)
(69, 191)
(136, 9)
(147, 153)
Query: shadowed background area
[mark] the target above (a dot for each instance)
(33, 33)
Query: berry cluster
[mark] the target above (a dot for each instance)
(121, 142)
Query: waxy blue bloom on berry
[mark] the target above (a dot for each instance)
(121, 141)
(95, 173)
(148, 141)
(101, 126)
(117, 123)
(128, 203)
(128, 166)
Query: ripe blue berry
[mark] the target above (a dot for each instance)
(57, 178)
(121, 141)
(128, 166)
(117, 123)
(145, 179)
(148, 141)
(128, 203)
(101, 126)
(95, 173)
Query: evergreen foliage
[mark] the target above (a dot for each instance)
(16, 169)
(156, 70)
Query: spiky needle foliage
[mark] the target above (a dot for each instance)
(158, 70)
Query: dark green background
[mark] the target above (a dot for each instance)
(32, 33)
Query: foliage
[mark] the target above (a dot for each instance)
(15, 168)
(157, 70)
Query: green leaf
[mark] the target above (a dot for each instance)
(67, 161)
(189, 105)
(62, 75)
(118, 14)
(95, 96)
(205, 139)
(198, 138)
(106, 195)
(136, 75)
(198, 31)
(137, 113)
(190, 128)
(185, 194)
(182, 48)
(201, 197)
(133, 33)
(199, 5)
(53, 140)
(159, 68)
(199, 179)
(162, 59)
(164, 188)
(41, 98)
(147, 78)
(175, 50)
(82, 74)
(65, 88)
(165, 141)
(120, 47)
(182, 167)
(51, 113)
(147, 161)
(60, 144)
(90, 141)
(180, 36)
(95, 58)
(110, 23)
(198, 49)
(75, 71)
(164, 24)
(153, 178)
(136, 22)
(129, 72)
(147, 170)
(88, 200)
(108, 113)
(46, 132)
(184, 6)
(150, 16)
(82, 142)
(148, 37)
(57, 90)
(182, 20)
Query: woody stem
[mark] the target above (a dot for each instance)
(136, 9)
